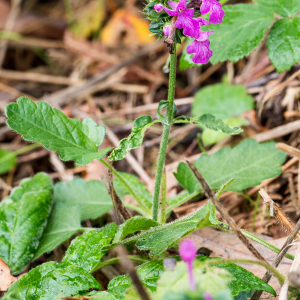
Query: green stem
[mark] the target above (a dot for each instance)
(279, 276)
(120, 177)
(265, 244)
(20, 151)
(163, 215)
(115, 260)
(165, 135)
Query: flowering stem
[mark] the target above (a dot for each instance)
(165, 136)
(191, 276)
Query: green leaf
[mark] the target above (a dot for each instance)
(92, 196)
(212, 281)
(64, 221)
(132, 225)
(159, 238)
(164, 104)
(284, 44)
(93, 131)
(284, 8)
(7, 161)
(148, 273)
(211, 122)
(145, 197)
(243, 28)
(49, 280)
(86, 250)
(23, 218)
(99, 296)
(210, 137)
(72, 139)
(242, 280)
(222, 100)
(134, 140)
(248, 163)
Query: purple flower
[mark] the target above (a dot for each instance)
(215, 9)
(158, 7)
(167, 30)
(190, 26)
(184, 17)
(176, 6)
(200, 46)
(188, 253)
(207, 296)
(202, 21)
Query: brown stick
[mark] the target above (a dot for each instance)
(128, 265)
(279, 257)
(288, 149)
(118, 204)
(224, 213)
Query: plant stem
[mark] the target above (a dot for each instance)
(165, 135)
(20, 151)
(163, 197)
(279, 276)
(134, 258)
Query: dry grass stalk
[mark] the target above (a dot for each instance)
(278, 213)
(289, 150)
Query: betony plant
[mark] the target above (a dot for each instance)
(38, 215)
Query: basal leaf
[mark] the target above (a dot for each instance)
(248, 163)
(23, 218)
(132, 225)
(134, 140)
(241, 31)
(86, 250)
(159, 238)
(222, 100)
(148, 273)
(7, 161)
(49, 280)
(284, 8)
(284, 43)
(242, 280)
(72, 139)
(137, 187)
(64, 221)
(92, 196)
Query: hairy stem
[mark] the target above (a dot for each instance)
(165, 136)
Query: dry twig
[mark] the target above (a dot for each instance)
(128, 265)
(224, 213)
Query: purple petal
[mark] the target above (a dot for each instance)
(167, 30)
(207, 296)
(192, 48)
(202, 21)
(216, 14)
(203, 35)
(173, 4)
(188, 251)
(189, 12)
(201, 50)
(189, 25)
(170, 12)
(181, 4)
(158, 7)
(205, 7)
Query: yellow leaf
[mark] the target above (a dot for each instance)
(125, 28)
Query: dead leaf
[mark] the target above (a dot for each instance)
(125, 28)
(6, 279)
